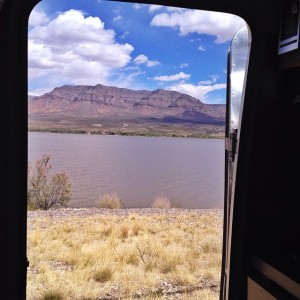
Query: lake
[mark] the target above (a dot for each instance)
(190, 172)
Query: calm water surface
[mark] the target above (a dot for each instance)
(188, 171)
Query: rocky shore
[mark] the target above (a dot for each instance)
(84, 212)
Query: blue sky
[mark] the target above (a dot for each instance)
(129, 45)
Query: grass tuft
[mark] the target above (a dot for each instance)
(111, 201)
(52, 295)
(161, 202)
(103, 275)
(124, 231)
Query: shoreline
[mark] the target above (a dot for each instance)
(117, 133)
(122, 212)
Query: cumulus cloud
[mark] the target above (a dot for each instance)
(75, 49)
(144, 60)
(179, 76)
(201, 48)
(222, 26)
(198, 91)
(37, 18)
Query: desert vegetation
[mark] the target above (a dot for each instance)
(124, 254)
(111, 201)
(208, 132)
(111, 252)
(162, 202)
(46, 190)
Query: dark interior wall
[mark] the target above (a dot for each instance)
(256, 175)
(13, 158)
(273, 207)
(262, 92)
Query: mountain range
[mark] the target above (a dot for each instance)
(104, 109)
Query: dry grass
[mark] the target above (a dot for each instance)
(112, 201)
(162, 202)
(52, 295)
(153, 256)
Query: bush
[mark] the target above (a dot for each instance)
(52, 295)
(44, 191)
(103, 275)
(111, 201)
(161, 202)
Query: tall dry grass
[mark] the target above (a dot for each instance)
(162, 202)
(125, 257)
(111, 201)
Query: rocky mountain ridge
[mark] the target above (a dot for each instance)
(110, 110)
(107, 101)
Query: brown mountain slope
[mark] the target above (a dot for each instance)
(100, 106)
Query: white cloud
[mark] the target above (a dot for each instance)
(201, 48)
(117, 18)
(123, 36)
(75, 49)
(137, 6)
(222, 26)
(175, 77)
(195, 40)
(171, 9)
(213, 79)
(197, 91)
(154, 7)
(40, 91)
(37, 18)
(127, 80)
(143, 59)
(183, 65)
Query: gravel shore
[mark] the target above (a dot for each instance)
(84, 212)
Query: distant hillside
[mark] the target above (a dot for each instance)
(102, 109)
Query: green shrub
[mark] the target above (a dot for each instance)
(112, 201)
(45, 191)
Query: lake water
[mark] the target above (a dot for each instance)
(188, 171)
